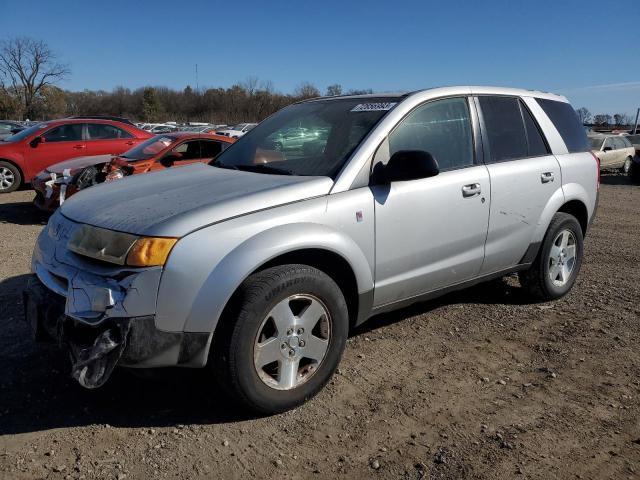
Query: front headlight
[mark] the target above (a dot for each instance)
(120, 248)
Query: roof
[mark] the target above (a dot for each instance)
(469, 89)
(194, 135)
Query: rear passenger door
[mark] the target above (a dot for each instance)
(524, 176)
(430, 232)
(104, 138)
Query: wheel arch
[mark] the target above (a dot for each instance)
(579, 210)
(23, 180)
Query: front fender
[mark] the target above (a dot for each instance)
(260, 249)
(198, 282)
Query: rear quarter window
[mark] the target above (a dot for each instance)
(567, 123)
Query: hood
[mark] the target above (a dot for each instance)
(175, 202)
(78, 163)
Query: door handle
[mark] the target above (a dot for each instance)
(130, 142)
(471, 190)
(78, 147)
(547, 177)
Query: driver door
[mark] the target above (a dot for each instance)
(430, 233)
(60, 143)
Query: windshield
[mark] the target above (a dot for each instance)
(596, 143)
(26, 133)
(149, 148)
(309, 139)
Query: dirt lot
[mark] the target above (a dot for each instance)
(479, 384)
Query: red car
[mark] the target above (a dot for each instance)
(30, 151)
(58, 182)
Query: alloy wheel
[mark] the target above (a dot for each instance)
(562, 258)
(6, 178)
(292, 342)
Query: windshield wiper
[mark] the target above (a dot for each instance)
(223, 165)
(264, 168)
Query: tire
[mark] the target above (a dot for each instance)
(269, 377)
(548, 279)
(626, 168)
(634, 173)
(10, 177)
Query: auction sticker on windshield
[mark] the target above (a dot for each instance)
(373, 107)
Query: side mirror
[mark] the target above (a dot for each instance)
(169, 159)
(36, 141)
(406, 165)
(607, 149)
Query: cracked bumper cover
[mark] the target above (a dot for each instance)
(105, 315)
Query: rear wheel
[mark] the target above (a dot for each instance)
(626, 168)
(283, 341)
(10, 177)
(556, 267)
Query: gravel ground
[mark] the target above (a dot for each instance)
(478, 384)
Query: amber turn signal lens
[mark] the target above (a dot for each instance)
(149, 251)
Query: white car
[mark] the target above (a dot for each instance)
(614, 151)
(236, 131)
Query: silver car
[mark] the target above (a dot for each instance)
(258, 265)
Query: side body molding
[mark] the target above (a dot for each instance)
(194, 290)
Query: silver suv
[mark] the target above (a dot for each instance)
(258, 265)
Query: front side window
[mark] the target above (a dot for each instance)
(332, 131)
(103, 131)
(189, 150)
(608, 143)
(442, 128)
(65, 133)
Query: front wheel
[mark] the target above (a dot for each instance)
(10, 178)
(282, 342)
(556, 267)
(626, 168)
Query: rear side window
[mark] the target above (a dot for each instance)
(104, 131)
(512, 131)
(505, 128)
(567, 123)
(210, 149)
(536, 143)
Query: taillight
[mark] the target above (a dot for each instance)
(595, 157)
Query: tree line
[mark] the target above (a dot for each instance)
(621, 120)
(30, 70)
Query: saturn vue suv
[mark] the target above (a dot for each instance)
(257, 265)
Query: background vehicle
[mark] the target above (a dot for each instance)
(236, 131)
(635, 166)
(30, 151)
(157, 153)
(8, 128)
(259, 267)
(614, 151)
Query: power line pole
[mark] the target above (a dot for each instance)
(635, 124)
(197, 85)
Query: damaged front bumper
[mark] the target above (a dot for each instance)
(104, 315)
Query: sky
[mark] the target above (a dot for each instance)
(586, 50)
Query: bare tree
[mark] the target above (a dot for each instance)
(306, 90)
(621, 119)
(334, 90)
(29, 66)
(584, 115)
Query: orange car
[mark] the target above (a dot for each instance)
(61, 180)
